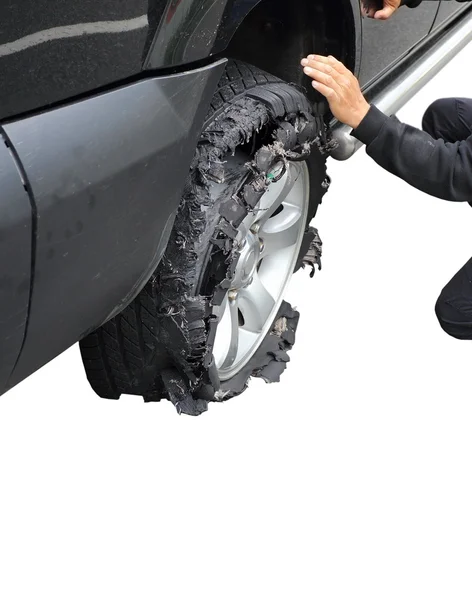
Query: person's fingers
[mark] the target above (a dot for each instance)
(329, 79)
(322, 77)
(328, 74)
(327, 60)
(319, 66)
(339, 86)
(364, 8)
(385, 13)
(337, 64)
(326, 91)
(318, 58)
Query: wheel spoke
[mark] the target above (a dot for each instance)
(282, 231)
(234, 340)
(269, 239)
(256, 305)
(277, 193)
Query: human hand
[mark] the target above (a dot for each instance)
(339, 86)
(389, 7)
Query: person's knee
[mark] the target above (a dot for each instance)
(452, 321)
(437, 113)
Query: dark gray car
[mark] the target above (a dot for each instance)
(160, 167)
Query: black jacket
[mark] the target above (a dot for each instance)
(433, 166)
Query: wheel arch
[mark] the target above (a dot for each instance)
(274, 37)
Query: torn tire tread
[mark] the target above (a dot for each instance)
(178, 326)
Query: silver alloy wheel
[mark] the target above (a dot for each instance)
(269, 240)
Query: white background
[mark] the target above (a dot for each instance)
(350, 479)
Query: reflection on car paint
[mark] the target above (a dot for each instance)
(71, 31)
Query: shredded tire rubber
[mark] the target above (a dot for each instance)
(161, 345)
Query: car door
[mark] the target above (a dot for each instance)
(384, 42)
(448, 10)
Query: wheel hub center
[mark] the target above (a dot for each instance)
(248, 261)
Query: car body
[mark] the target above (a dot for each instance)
(101, 107)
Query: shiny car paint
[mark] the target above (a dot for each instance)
(55, 50)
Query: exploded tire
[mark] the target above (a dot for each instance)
(161, 345)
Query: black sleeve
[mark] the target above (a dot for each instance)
(441, 169)
(412, 3)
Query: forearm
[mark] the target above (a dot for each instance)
(432, 166)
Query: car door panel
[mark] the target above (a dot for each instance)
(384, 42)
(448, 10)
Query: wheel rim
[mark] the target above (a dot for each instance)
(269, 242)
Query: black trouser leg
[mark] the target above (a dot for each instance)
(454, 305)
(450, 119)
